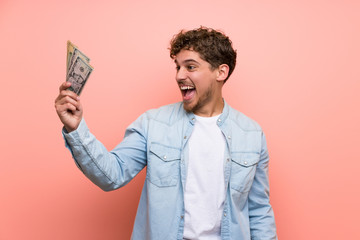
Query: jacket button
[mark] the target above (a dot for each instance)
(165, 157)
(245, 163)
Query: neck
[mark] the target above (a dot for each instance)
(212, 109)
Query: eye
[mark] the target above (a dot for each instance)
(190, 67)
(177, 68)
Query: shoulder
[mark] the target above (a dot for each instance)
(242, 121)
(167, 114)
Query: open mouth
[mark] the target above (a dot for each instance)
(187, 92)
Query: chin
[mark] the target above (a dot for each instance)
(188, 107)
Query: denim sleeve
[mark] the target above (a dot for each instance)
(109, 170)
(261, 215)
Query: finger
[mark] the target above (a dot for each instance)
(64, 109)
(66, 106)
(79, 106)
(67, 99)
(70, 107)
(64, 85)
(65, 93)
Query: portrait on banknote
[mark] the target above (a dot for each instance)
(78, 68)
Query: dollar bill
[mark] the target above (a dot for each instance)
(72, 53)
(78, 74)
(78, 68)
(70, 50)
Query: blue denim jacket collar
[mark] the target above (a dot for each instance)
(223, 116)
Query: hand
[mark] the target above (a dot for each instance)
(68, 107)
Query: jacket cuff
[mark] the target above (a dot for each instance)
(74, 138)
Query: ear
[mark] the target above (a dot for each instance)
(222, 72)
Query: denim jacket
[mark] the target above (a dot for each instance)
(158, 139)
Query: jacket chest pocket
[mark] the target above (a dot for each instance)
(243, 168)
(163, 168)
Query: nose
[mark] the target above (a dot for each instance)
(180, 74)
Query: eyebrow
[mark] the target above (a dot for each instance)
(188, 61)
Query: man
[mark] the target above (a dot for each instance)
(207, 164)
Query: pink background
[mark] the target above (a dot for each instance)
(297, 75)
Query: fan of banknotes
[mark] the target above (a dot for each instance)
(78, 68)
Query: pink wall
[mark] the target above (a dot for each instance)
(297, 75)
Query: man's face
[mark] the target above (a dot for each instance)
(197, 81)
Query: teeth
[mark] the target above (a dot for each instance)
(186, 87)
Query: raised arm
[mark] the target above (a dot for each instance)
(108, 170)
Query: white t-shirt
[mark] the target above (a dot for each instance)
(205, 187)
